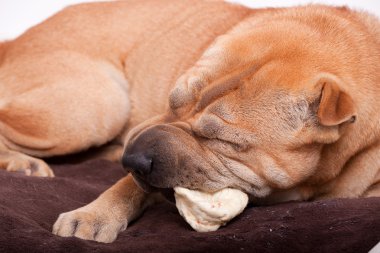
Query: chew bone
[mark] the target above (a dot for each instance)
(208, 211)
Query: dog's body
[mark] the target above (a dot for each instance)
(263, 101)
(102, 66)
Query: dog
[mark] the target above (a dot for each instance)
(279, 103)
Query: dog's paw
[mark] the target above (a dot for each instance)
(89, 224)
(186, 90)
(29, 166)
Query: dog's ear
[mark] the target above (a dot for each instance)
(336, 106)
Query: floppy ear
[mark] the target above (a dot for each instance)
(336, 106)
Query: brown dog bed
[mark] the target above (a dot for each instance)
(29, 206)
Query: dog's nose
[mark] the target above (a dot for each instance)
(138, 163)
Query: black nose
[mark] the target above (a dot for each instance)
(138, 163)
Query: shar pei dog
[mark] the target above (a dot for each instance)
(282, 104)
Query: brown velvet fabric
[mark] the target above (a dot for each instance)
(29, 206)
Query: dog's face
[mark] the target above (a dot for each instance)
(242, 119)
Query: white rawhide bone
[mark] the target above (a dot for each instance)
(208, 211)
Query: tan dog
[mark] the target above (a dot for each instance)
(279, 103)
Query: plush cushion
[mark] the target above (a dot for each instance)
(29, 207)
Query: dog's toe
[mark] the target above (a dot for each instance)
(65, 226)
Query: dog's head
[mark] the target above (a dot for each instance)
(252, 114)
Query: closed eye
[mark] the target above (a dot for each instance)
(213, 127)
(236, 146)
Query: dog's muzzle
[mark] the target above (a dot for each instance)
(165, 156)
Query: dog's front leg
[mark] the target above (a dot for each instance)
(104, 218)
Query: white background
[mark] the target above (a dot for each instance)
(18, 15)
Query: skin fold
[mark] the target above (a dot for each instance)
(281, 104)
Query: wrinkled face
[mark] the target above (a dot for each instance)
(256, 125)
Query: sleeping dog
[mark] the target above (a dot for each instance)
(281, 104)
